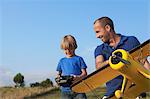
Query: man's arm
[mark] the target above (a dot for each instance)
(100, 62)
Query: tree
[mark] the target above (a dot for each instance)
(47, 83)
(44, 83)
(36, 84)
(19, 80)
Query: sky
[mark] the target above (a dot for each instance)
(31, 32)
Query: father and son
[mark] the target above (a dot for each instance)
(74, 65)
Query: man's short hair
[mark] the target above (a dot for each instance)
(105, 21)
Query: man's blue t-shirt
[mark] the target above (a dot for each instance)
(127, 43)
(71, 66)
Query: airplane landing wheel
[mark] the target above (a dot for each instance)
(118, 94)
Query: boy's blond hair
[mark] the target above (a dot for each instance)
(68, 42)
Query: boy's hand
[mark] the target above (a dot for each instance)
(75, 77)
(57, 76)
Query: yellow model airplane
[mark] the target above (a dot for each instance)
(136, 77)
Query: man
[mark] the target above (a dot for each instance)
(104, 29)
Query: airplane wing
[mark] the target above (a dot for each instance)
(94, 79)
(142, 50)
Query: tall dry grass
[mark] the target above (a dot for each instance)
(21, 93)
(45, 93)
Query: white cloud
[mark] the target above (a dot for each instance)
(38, 77)
(6, 77)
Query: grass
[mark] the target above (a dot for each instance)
(50, 94)
(44, 93)
(40, 93)
(55, 94)
(21, 93)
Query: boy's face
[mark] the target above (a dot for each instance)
(69, 53)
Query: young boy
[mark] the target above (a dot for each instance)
(71, 65)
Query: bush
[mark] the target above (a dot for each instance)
(45, 83)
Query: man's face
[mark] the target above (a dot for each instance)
(101, 32)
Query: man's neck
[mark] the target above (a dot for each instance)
(115, 39)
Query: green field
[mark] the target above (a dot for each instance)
(44, 93)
